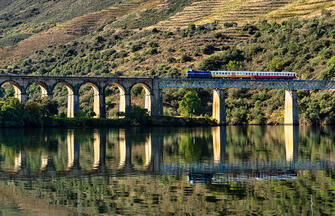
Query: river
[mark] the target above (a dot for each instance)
(233, 170)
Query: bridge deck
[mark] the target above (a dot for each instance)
(245, 83)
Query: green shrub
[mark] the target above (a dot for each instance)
(153, 51)
(189, 104)
(153, 44)
(136, 47)
(171, 59)
(185, 58)
(208, 49)
(277, 64)
(139, 117)
(229, 24)
(36, 112)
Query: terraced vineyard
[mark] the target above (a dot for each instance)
(240, 12)
(304, 9)
(231, 15)
(222, 11)
(73, 29)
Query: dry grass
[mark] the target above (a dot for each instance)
(303, 9)
(199, 12)
(72, 29)
(221, 12)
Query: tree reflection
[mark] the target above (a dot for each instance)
(190, 148)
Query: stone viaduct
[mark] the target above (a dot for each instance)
(153, 97)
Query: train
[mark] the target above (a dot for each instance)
(191, 73)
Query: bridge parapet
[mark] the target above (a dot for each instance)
(246, 83)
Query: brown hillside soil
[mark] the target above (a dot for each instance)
(242, 12)
(72, 29)
(304, 9)
(223, 12)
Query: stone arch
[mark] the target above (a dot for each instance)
(72, 98)
(19, 92)
(98, 100)
(148, 95)
(45, 92)
(124, 101)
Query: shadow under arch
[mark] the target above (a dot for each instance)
(98, 100)
(72, 98)
(124, 97)
(147, 97)
(44, 89)
(19, 92)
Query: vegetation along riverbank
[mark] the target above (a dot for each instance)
(43, 114)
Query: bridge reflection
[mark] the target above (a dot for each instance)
(291, 142)
(153, 155)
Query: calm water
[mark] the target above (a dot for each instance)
(168, 171)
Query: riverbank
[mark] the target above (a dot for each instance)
(160, 121)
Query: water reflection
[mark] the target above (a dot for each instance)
(291, 142)
(142, 171)
(219, 143)
(185, 146)
(20, 162)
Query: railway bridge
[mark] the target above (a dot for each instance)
(153, 93)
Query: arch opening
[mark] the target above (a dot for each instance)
(116, 106)
(64, 95)
(11, 89)
(36, 91)
(141, 96)
(89, 94)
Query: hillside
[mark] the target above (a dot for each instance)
(27, 26)
(164, 38)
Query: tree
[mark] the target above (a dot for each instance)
(49, 107)
(12, 113)
(189, 103)
(35, 111)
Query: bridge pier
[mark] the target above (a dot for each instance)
(72, 105)
(99, 105)
(291, 108)
(156, 102)
(125, 103)
(219, 109)
(45, 93)
(19, 94)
